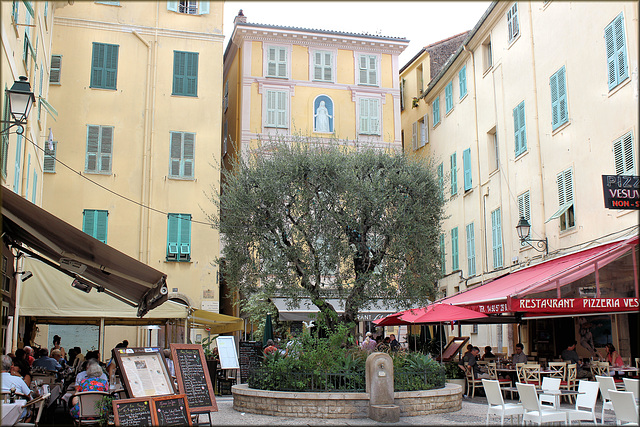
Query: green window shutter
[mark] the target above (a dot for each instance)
(558, 84)
(471, 250)
(182, 155)
(29, 7)
(99, 149)
(496, 232)
(281, 109)
(524, 209)
(454, 249)
(462, 78)
(368, 70)
(203, 8)
(18, 165)
(271, 62)
(448, 94)
(512, 22)
(271, 108)
(369, 121)
(179, 77)
(104, 66)
(454, 174)
(185, 73)
(49, 163)
(89, 221)
(192, 74)
(106, 146)
(175, 154)
(615, 43)
(188, 152)
(178, 237)
(519, 126)
(28, 172)
(443, 256)
(94, 223)
(466, 163)
(34, 189)
(277, 62)
(436, 111)
(172, 6)
(282, 62)
(172, 237)
(322, 66)
(624, 155)
(441, 178)
(5, 135)
(185, 237)
(15, 8)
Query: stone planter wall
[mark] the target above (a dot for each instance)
(342, 405)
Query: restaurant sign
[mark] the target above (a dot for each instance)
(621, 191)
(573, 305)
(490, 308)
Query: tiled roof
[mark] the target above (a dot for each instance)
(313, 30)
(441, 51)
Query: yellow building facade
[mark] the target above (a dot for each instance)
(526, 116)
(138, 134)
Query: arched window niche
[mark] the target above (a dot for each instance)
(323, 114)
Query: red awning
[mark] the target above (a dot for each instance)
(433, 313)
(493, 297)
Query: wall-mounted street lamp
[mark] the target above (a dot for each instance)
(21, 100)
(523, 228)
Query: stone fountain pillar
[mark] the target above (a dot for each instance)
(379, 377)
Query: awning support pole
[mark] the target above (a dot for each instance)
(101, 340)
(186, 329)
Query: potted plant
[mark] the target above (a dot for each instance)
(454, 374)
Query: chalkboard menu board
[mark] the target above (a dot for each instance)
(172, 410)
(133, 412)
(193, 377)
(250, 358)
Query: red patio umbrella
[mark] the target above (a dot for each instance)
(396, 319)
(439, 312)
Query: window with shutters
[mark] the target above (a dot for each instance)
(49, 163)
(513, 23)
(369, 116)
(471, 250)
(487, 55)
(624, 155)
(185, 73)
(524, 211)
(559, 112)
(15, 12)
(519, 129)
(56, 67)
(178, 237)
(448, 97)
(566, 210)
(414, 136)
(277, 109)
(466, 166)
(5, 135)
(453, 160)
(368, 70)
(496, 238)
(454, 249)
(189, 7)
(616, 50)
(226, 96)
(99, 149)
(443, 256)
(104, 66)
(402, 85)
(182, 155)
(322, 66)
(94, 223)
(436, 111)
(29, 52)
(276, 62)
(6, 276)
(424, 130)
(440, 172)
(462, 81)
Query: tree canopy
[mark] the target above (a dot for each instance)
(331, 221)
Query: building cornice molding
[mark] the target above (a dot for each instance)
(143, 30)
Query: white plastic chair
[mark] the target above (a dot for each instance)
(606, 385)
(551, 384)
(585, 403)
(532, 409)
(632, 385)
(625, 408)
(496, 402)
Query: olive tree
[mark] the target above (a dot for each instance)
(323, 221)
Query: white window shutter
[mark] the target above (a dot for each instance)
(172, 6)
(204, 8)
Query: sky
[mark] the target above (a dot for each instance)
(420, 22)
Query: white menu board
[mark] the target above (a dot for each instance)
(227, 352)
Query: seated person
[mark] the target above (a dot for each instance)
(92, 382)
(46, 362)
(469, 350)
(613, 357)
(519, 356)
(22, 365)
(471, 362)
(83, 374)
(15, 382)
(571, 355)
(487, 353)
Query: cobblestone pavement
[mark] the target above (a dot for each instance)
(473, 412)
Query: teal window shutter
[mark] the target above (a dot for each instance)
(462, 78)
(520, 129)
(448, 94)
(558, 84)
(368, 65)
(513, 25)
(496, 232)
(624, 155)
(471, 250)
(441, 178)
(94, 223)
(524, 209)
(178, 237)
(436, 111)
(18, 165)
(182, 153)
(104, 66)
(185, 73)
(49, 163)
(369, 121)
(277, 107)
(28, 172)
(5, 135)
(454, 249)
(443, 255)
(454, 174)
(466, 163)
(277, 62)
(34, 189)
(203, 8)
(99, 149)
(172, 6)
(615, 43)
(15, 8)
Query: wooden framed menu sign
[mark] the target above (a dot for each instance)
(144, 371)
(133, 412)
(193, 377)
(171, 410)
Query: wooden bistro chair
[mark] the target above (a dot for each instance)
(558, 370)
(531, 374)
(570, 380)
(492, 370)
(472, 382)
(89, 412)
(519, 372)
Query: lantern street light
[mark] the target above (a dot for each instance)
(523, 228)
(21, 100)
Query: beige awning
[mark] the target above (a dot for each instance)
(32, 230)
(218, 323)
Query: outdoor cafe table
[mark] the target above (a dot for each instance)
(11, 412)
(556, 393)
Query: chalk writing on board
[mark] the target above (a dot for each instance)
(172, 411)
(193, 378)
(132, 412)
